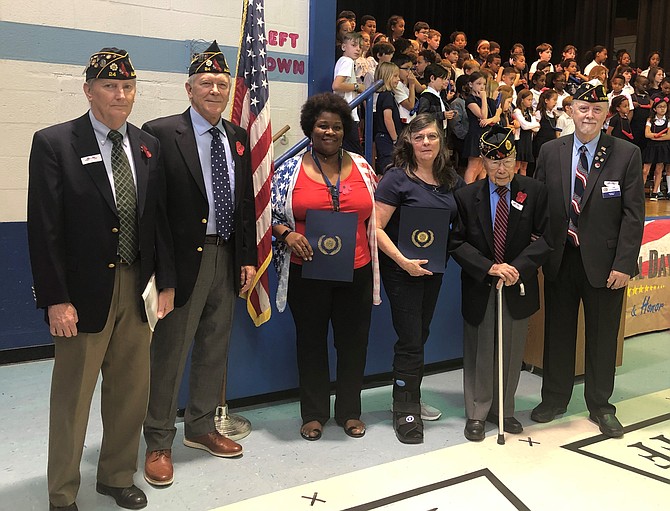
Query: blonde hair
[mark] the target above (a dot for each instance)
(597, 70)
(491, 83)
(506, 93)
(385, 71)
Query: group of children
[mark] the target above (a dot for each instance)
(467, 94)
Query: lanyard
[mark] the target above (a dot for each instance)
(333, 189)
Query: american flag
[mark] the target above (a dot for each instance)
(251, 111)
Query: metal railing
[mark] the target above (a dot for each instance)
(368, 127)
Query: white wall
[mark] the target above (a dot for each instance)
(37, 94)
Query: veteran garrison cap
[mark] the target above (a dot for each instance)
(590, 92)
(110, 63)
(209, 61)
(497, 143)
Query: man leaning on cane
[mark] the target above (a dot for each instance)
(498, 237)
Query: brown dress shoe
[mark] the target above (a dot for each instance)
(158, 468)
(216, 444)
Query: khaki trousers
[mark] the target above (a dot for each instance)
(121, 352)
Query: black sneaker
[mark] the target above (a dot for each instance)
(654, 197)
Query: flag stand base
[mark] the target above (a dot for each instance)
(231, 426)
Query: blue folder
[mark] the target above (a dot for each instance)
(423, 234)
(332, 235)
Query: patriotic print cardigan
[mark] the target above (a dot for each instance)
(283, 183)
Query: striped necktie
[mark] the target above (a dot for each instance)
(126, 199)
(581, 177)
(500, 225)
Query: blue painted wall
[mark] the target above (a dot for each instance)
(22, 324)
(262, 360)
(321, 45)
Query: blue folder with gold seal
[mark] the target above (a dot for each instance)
(423, 234)
(332, 235)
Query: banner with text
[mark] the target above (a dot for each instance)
(648, 304)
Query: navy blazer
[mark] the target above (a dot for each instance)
(526, 246)
(73, 222)
(188, 208)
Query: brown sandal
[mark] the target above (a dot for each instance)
(350, 430)
(311, 434)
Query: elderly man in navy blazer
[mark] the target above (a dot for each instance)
(97, 231)
(500, 237)
(596, 203)
(213, 220)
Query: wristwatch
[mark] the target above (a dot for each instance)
(356, 87)
(283, 235)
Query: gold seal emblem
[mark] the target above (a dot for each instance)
(113, 67)
(208, 62)
(423, 239)
(508, 145)
(329, 245)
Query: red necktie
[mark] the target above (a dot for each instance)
(500, 226)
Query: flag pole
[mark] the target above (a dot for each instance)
(232, 426)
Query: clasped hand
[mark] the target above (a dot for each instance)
(508, 274)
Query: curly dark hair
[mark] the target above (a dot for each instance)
(325, 102)
(403, 154)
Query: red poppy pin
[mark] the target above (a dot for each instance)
(145, 151)
(240, 147)
(520, 197)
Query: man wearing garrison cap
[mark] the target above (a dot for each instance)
(596, 203)
(212, 216)
(97, 231)
(498, 238)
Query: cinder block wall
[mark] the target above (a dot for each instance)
(44, 48)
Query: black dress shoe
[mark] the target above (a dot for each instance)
(474, 430)
(546, 413)
(510, 424)
(609, 425)
(129, 498)
(71, 507)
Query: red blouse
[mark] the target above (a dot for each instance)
(354, 198)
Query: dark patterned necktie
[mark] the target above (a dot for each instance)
(223, 201)
(126, 199)
(500, 226)
(581, 177)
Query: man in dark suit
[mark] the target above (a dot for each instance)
(499, 238)
(97, 232)
(213, 221)
(596, 203)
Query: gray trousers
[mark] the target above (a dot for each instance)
(480, 361)
(205, 321)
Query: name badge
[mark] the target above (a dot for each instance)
(614, 185)
(91, 159)
(610, 191)
(516, 205)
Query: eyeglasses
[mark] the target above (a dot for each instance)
(407, 68)
(418, 139)
(508, 163)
